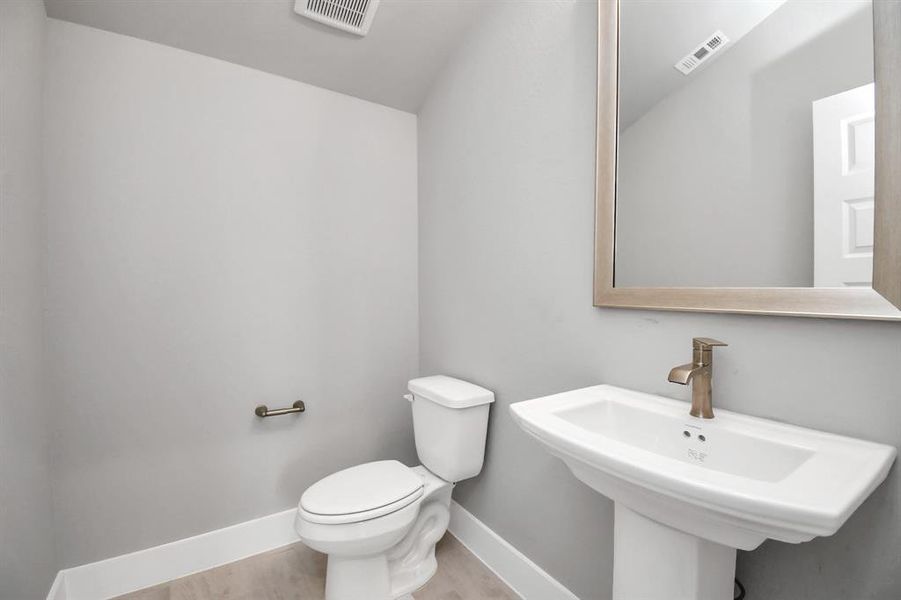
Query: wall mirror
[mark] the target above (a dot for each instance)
(749, 156)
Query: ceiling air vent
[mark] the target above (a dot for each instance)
(354, 16)
(703, 52)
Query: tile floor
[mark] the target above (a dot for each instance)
(298, 573)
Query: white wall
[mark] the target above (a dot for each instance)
(506, 156)
(218, 238)
(734, 147)
(26, 546)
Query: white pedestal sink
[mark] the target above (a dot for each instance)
(689, 491)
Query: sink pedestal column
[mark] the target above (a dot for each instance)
(652, 561)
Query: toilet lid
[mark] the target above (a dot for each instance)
(363, 489)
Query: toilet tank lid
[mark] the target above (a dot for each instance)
(450, 392)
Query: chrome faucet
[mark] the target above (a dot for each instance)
(700, 372)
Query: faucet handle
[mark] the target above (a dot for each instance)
(703, 343)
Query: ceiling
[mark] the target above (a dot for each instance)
(655, 34)
(395, 64)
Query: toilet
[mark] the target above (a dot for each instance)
(378, 522)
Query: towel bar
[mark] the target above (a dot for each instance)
(263, 411)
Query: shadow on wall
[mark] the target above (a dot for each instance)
(772, 570)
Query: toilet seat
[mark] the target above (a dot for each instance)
(361, 493)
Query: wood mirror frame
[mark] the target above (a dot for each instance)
(882, 301)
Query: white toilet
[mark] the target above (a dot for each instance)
(379, 521)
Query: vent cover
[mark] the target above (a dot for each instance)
(711, 46)
(354, 16)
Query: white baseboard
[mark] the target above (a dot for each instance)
(526, 578)
(129, 572)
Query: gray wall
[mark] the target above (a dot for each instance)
(506, 153)
(26, 547)
(218, 238)
(727, 160)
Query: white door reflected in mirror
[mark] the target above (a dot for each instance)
(844, 150)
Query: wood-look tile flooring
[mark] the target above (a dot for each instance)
(298, 573)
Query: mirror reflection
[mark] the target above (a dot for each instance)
(746, 144)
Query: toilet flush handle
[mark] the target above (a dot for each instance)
(408, 397)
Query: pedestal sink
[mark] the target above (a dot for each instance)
(689, 491)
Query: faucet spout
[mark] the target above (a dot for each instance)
(685, 373)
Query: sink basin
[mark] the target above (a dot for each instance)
(700, 487)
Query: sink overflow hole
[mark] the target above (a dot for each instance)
(686, 434)
(702, 438)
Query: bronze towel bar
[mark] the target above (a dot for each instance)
(263, 411)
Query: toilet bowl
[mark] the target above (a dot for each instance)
(378, 522)
(380, 557)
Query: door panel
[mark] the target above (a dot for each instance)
(844, 183)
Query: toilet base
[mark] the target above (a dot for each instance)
(403, 568)
(395, 574)
(412, 562)
(353, 578)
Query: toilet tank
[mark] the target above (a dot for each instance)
(450, 423)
